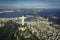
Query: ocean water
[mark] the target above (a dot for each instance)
(43, 13)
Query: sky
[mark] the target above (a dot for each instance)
(16, 4)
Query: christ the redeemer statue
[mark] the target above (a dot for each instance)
(22, 18)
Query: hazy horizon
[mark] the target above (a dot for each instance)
(17, 4)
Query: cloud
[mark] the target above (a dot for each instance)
(6, 11)
(54, 17)
(31, 5)
(36, 5)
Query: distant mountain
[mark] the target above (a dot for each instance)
(50, 12)
(43, 13)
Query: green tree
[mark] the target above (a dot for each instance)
(8, 30)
